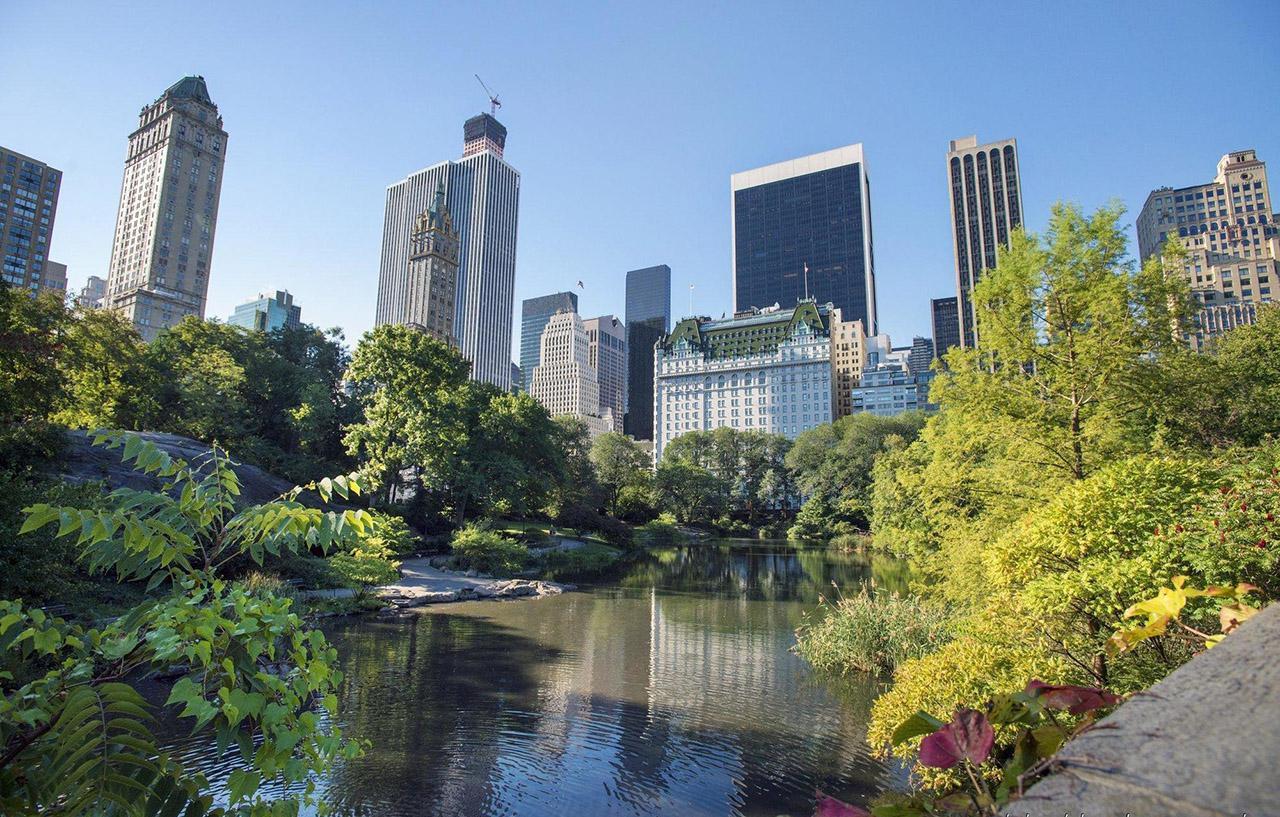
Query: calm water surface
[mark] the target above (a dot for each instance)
(671, 690)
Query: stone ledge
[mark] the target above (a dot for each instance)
(1204, 742)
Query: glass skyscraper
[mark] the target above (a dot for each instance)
(945, 318)
(802, 229)
(648, 318)
(267, 313)
(534, 315)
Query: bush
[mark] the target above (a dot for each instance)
(659, 532)
(391, 534)
(977, 663)
(478, 547)
(39, 567)
(360, 571)
(850, 542)
(869, 633)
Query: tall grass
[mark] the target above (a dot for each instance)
(871, 632)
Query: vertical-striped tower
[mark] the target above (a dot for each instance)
(986, 207)
(482, 192)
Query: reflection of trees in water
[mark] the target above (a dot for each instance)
(768, 572)
(429, 693)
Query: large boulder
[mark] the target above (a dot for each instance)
(82, 462)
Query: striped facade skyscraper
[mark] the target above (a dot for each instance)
(986, 207)
(482, 193)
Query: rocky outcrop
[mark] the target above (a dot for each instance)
(406, 596)
(82, 462)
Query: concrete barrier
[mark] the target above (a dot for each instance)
(1204, 742)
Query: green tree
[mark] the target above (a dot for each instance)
(108, 381)
(832, 467)
(32, 334)
(1066, 324)
(411, 385)
(690, 492)
(619, 463)
(75, 735)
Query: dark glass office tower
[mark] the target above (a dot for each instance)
(534, 314)
(648, 318)
(946, 325)
(812, 212)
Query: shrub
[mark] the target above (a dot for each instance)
(982, 660)
(360, 571)
(849, 541)
(660, 531)
(481, 548)
(868, 633)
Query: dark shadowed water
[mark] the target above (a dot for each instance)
(671, 690)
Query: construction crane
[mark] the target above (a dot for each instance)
(494, 103)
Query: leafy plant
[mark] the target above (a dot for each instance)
(1168, 606)
(996, 751)
(74, 735)
(481, 548)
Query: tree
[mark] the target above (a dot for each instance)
(108, 381)
(410, 384)
(619, 463)
(1227, 395)
(1065, 326)
(75, 734)
(832, 467)
(32, 334)
(690, 492)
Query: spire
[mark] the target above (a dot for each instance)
(437, 206)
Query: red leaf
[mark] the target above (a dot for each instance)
(1076, 700)
(968, 736)
(829, 806)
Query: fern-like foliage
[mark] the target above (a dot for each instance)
(76, 738)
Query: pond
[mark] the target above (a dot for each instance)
(669, 690)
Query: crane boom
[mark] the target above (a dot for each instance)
(494, 103)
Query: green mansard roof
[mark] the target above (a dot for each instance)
(190, 88)
(752, 334)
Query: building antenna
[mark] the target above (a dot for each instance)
(494, 104)
(691, 300)
(806, 280)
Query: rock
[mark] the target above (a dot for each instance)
(439, 597)
(470, 574)
(484, 592)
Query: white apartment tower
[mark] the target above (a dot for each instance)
(482, 193)
(1229, 231)
(168, 213)
(564, 381)
(986, 207)
(607, 354)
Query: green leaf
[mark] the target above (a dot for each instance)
(243, 783)
(921, 723)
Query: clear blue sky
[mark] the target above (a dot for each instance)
(626, 120)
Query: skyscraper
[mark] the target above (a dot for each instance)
(564, 381)
(648, 317)
(482, 193)
(28, 206)
(1232, 243)
(607, 354)
(534, 314)
(433, 272)
(267, 313)
(802, 229)
(848, 347)
(986, 207)
(168, 212)
(945, 319)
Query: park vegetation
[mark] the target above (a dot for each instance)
(1093, 504)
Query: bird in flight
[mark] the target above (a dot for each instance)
(580, 286)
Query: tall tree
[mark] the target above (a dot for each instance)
(619, 462)
(411, 383)
(1065, 323)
